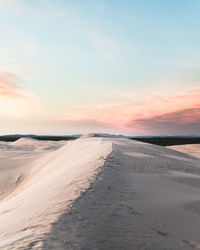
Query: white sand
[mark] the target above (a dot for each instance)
(44, 188)
(26, 142)
(192, 149)
(98, 193)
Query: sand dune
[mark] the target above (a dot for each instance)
(192, 149)
(45, 187)
(26, 142)
(98, 193)
(31, 144)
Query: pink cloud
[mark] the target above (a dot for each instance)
(15, 101)
(185, 121)
(123, 108)
(10, 89)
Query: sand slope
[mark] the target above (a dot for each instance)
(104, 193)
(46, 189)
(192, 149)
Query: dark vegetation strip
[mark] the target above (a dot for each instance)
(11, 138)
(157, 140)
(168, 140)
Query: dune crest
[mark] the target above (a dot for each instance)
(25, 141)
(51, 183)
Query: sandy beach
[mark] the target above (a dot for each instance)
(98, 193)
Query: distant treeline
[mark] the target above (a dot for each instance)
(162, 140)
(11, 138)
(168, 140)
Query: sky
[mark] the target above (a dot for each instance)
(127, 67)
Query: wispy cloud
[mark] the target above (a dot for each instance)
(92, 30)
(10, 3)
(10, 89)
(15, 100)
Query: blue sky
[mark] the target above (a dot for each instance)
(99, 65)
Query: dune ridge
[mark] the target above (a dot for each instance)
(51, 183)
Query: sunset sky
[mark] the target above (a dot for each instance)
(115, 66)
